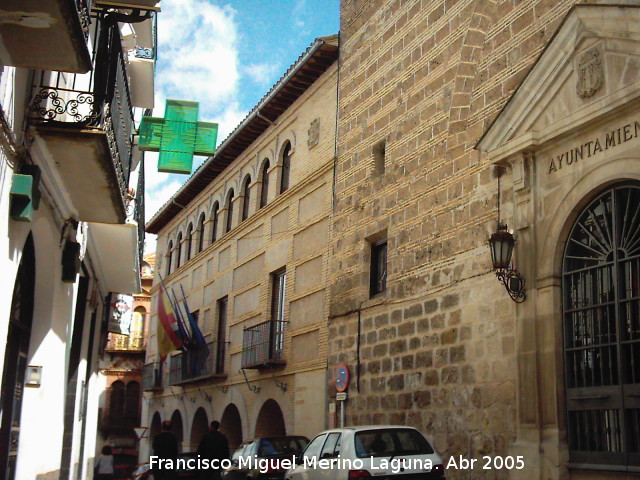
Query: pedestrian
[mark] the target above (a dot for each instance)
(104, 464)
(165, 447)
(215, 447)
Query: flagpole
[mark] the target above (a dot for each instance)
(174, 304)
(182, 324)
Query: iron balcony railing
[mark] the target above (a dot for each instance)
(83, 7)
(134, 342)
(120, 419)
(134, 204)
(152, 376)
(263, 345)
(99, 99)
(198, 363)
(139, 211)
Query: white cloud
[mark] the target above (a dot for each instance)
(299, 12)
(197, 50)
(197, 60)
(263, 73)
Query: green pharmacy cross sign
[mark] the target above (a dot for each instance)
(178, 137)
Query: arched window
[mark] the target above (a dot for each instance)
(264, 193)
(132, 403)
(286, 167)
(229, 223)
(116, 401)
(169, 258)
(179, 245)
(189, 240)
(601, 326)
(214, 222)
(247, 198)
(136, 332)
(201, 233)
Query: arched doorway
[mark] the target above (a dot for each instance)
(156, 426)
(231, 426)
(601, 325)
(270, 421)
(15, 359)
(176, 427)
(199, 427)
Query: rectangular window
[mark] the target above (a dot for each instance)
(221, 349)
(278, 296)
(378, 267)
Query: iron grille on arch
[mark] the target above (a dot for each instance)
(601, 323)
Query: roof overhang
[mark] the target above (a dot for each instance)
(114, 251)
(316, 60)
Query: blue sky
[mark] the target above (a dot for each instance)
(227, 55)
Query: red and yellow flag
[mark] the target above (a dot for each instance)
(167, 338)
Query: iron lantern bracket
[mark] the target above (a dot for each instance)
(513, 282)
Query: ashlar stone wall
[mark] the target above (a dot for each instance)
(437, 349)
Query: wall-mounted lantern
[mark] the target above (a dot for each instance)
(501, 244)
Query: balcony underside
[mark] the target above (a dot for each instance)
(202, 378)
(141, 4)
(44, 35)
(115, 256)
(83, 160)
(264, 364)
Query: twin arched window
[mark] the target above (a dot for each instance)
(124, 403)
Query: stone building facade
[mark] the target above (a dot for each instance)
(430, 336)
(247, 239)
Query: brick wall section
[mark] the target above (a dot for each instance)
(437, 350)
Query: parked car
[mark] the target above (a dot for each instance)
(234, 472)
(271, 449)
(143, 471)
(385, 451)
(188, 473)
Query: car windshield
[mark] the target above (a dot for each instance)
(281, 445)
(391, 442)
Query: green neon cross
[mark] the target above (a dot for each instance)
(178, 136)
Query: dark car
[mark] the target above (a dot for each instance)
(185, 473)
(249, 460)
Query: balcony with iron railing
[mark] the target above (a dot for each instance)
(85, 122)
(263, 345)
(199, 363)
(46, 34)
(132, 343)
(152, 377)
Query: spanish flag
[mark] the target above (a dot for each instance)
(167, 338)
